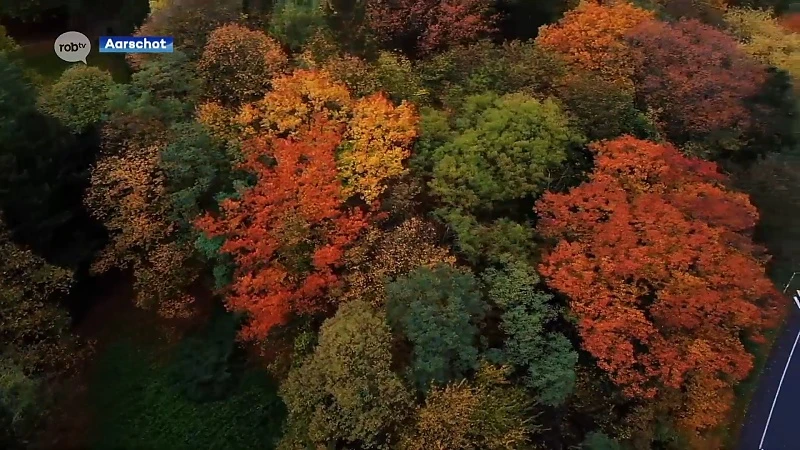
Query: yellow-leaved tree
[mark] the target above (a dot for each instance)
(378, 135)
(762, 36)
(488, 413)
(382, 256)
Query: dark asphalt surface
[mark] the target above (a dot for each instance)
(783, 432)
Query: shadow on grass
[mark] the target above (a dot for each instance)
(139, 402)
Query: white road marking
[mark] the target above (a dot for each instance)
(797, 300)
(761, 444)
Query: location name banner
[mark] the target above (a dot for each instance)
(135, 44)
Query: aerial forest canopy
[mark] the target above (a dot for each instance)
(413, 224)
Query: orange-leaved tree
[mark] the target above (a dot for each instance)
(295, 100)
(591, 37)
(791, 22)
(657, 260)
(128, 193)
(287, 234)
(377, 136)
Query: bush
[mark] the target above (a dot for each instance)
(79, 99)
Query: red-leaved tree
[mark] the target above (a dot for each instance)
(657, 260)
(287, 234)
(695, 77)
(428, 25)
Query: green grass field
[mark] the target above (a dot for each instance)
(193, 394)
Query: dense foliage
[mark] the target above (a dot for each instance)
(431, 223)
(346, 391)
(295, 219)
(438, 311)
(670, 313)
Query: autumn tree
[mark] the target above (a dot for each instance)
(288, 232)
(129, 196)
(381, 256)
(428, 25)
(592, 37)
(488, 413)
(379, 141)
(438, 311)
(35, 330)
(237, 63)
(762, 36)
(698, 81)
(345, 393)
(131, 186)
(189, 22)
(546, 357)
(296, 99)
(677, 282)
(79, 99)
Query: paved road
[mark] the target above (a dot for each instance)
(773, 419)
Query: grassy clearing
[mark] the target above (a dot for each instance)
(145, 395)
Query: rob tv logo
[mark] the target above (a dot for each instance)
(73, 47)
